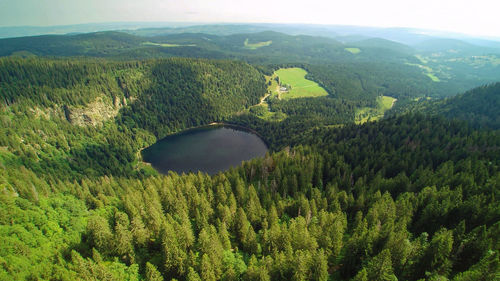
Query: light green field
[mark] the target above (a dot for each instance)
(433, 77)
(385, 102)
(421, 59)
(262, 111)
(366, 114)
(427, 71)
(167, 45)
(23, 54)
(254, 46)
(423, 67)
(420, 98)
(353, 50)
(300, 86)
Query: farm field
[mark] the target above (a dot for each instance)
(298, 85)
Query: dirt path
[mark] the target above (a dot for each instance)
(278, 91)
(262, 100)
(393, 102)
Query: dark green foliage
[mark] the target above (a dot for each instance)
(187, 93)
(410, 197)
(366, 81)
(332, 111)
(381, 68)
(306, 213)
(43, 101)
(479, 106)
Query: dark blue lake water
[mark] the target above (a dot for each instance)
(208, 149)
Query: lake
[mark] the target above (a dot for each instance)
(208, 149)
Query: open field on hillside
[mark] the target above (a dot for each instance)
(297, 85)
(366, 114)
(433, 77)
(427, 70)
(253, 46)
(167, 45)
(353, 50)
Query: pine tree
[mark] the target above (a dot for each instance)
(207, 271)
(152, 274)
(380, 267)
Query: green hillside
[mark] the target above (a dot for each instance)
(451, 73)
(478, 106)
(411, 197)
(91, 116)
(271, 215)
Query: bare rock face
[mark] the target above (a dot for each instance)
(95, 113)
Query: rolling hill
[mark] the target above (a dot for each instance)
(479, 106)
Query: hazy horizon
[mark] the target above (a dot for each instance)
(477, 18)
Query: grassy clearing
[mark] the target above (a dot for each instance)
(427, 71)
(478, 61)
(254, 46)
(366, 114)
(422, 59)
(167, 45)
(433, 77)
(353, 50)
(272, 86)
(261, 110)
(23, 54)
(423, 67)
(422, 98)
(385, 102)
(299, 86)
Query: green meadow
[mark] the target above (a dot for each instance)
(433, 77)
(167, 45)
(254, 46)
(300, 86)
(427, 70)
(366, 114)
(353, 50)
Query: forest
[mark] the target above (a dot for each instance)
(413, 196)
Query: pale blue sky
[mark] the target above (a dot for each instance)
(477, 17)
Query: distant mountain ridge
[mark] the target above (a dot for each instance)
(408, 36)
(432, 72)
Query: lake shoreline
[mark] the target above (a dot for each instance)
(211, 148)
(140, 157)
(216, 124)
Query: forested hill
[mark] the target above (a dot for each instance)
(411, 197)
(87, 116)
(372, 65)
(172, 91)
(407, 198)
(264, 47)
(479, 106)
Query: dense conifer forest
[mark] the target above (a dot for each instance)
(414, 196)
